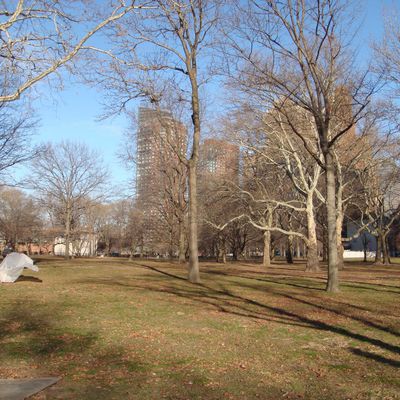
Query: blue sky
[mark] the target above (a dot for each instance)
(72, 114)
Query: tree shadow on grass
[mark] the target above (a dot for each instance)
(277, 281)
(326, 307)
(27, 278)
(225, 300)
(33, 335)
(375, 357)
(312, 278)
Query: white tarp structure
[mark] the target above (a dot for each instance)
(13, 265)
(357, 255)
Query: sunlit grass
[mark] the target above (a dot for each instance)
(114, 329)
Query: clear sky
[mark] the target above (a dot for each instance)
(71, 114)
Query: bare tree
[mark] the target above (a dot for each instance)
(68, 178)
(382, 207)
(17, 126)
(135, 232)
(387, 52)
(282, 153)
(20, 217)
(40, 36)
(296, 52)
(167, 44)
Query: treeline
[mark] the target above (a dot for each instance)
(319, 145)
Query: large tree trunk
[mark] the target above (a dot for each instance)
(194, 272)
(333, 261)
(312, 244)
(267, 247)
(181, 256)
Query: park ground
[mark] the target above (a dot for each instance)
(115, 329)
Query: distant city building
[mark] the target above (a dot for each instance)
(85, 246)
(219, 160)
(160, 141)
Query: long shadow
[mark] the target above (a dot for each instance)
(359, 285)
(217, 301)
(282, 315)
(161, 272)
(375, 357)
(266, 280)
(335, 311)
(294, 317)
(345, 282)
(380, 285)
(295, 285)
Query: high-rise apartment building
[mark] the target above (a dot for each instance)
(219, 160)
(160, 140)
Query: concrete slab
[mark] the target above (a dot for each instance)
(20, 389)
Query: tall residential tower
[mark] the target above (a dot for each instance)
(161, 140)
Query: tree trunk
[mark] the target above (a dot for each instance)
(194, 273)
(289, 250)
(221, 249)
(365, 246)
(224, 257)
(272, 250)
(267, 246)
(67, 233)
(378, 255)
(312, 244)
(324, 246)
(235, 253)
(333, 261)
(312, 257)
(384, 249)
(339, 225)
(132, 250)
(388, 249)
(181, 256)
(216, 250)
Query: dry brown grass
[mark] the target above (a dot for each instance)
(115, 329)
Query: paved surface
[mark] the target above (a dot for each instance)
(20, 389)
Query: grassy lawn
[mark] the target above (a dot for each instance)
(114, 329)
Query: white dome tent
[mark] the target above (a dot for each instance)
(13, 265)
